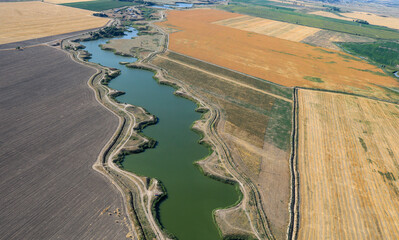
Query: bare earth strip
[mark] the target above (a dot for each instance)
(52, 130)
(348, 167)
(271, 28)
(27, 20)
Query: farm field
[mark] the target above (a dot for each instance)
(276, 60)
(348, 168)
(99, 5)
(373, 19)
(28, 20)
(327, 39)
(52, 130)
(291, 16)
(256, 126)
(271, 28)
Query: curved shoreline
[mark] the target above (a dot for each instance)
(124, 180)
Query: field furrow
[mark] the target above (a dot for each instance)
(348, 170)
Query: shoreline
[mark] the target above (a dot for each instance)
(106, 163)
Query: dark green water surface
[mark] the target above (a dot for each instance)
(187, 211)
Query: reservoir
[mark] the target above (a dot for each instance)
(187, 210)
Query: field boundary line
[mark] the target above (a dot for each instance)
(227, 79)
(294, 204)
(346, 93)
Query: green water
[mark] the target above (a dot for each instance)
(187, 211)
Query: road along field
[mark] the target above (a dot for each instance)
(52, 130)
(255, 125)
(271, 28)
(276, 60)
(28, 20)
(348, 167)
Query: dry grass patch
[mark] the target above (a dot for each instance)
(348, 167)
(326, 39)
(276, 60)
(271, 28)
(28, 20)
(138, 47)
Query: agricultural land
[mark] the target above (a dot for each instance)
(348, 167)
(52, 130)
(373, 19)
(299, 109)
(27, 20)
(276, 60)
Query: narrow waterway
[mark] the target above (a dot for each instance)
(187, 211)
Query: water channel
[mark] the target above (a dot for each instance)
(187, 211)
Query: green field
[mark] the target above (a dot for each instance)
(380, 52)
(282, 14)
(99, 5)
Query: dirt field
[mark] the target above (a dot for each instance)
(271, 28)
(27, 20)
(326, 39)
(257, 127)
(348, 167)
(280, 61)
(373, 19)
(52, 130)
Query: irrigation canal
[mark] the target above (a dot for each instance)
(187, 211)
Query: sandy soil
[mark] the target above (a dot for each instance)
(348, 168)
(28, 20)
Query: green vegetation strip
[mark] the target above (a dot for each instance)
(100, 5)
(380, 52)
(282, 14)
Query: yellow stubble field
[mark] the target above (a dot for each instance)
(28, 20)
(268, 27)
(348, 163)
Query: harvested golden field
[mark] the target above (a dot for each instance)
(27, 20)
(374, 19)
(348, 167)
(330, 15)
(268, 27)
(277, 60)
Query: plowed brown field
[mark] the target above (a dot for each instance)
(27, 20)
(271, 28)
(277, 60)
(348, 167)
